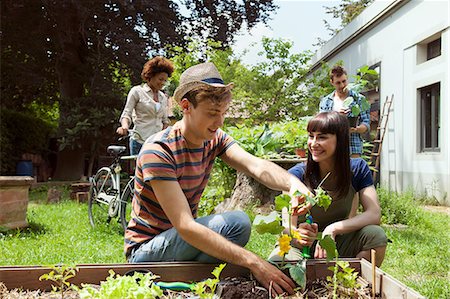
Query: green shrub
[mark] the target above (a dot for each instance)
(21, 133)
(398, 208)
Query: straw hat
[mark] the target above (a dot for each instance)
(197, 75)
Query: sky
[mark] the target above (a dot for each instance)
(300, 21)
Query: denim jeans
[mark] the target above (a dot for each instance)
(168, 246)
(135, 147)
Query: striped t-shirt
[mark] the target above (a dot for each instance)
(165, 156)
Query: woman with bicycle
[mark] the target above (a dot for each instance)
(147, 105)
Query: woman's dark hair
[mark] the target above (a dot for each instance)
(155, 66)
(331, 123)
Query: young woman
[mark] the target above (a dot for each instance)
(147, 105)
(349, 182)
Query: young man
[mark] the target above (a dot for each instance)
(173, 168)
(334, 102)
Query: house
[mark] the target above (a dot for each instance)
(407, 42)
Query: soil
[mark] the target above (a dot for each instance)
(230, 288)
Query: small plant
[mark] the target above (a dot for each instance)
(60, 274)
(360, 83)
(346, 277)
(207, 288)
(354, 106)
(272, 224)
(139, 285)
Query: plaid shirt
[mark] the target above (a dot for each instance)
(356, 142)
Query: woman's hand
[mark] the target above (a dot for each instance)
(122, 131)
(298, 204)
(320, 253)
(308, 233)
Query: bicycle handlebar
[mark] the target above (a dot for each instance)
(130, 131)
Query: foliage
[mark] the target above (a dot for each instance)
(273, 224)
(317, 86)
(79, 49)
(22, 133)
(139, 285)
(359, 84)
(60, 275)
(206, 289)
(270, 90)
(346, 11)
(343, 275)
(271, 140)
(398, 208)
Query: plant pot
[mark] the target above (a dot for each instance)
(14, 201)
(301, 152)
(353, 121)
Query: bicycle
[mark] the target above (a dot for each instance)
(106, 201)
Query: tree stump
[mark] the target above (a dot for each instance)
(249, 192)
(53, 195)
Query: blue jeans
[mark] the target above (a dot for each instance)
(168, 246)
(135, 147)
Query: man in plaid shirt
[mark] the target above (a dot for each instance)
(334, 102)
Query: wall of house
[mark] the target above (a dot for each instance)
(392, 40)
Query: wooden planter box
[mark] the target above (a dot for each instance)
(27, 277)
(14, 201)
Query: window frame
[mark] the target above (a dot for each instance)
(435, 119)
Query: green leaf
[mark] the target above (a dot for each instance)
(298, 273)
(329, 245)
(347, 102)
(356, 110)
(282, 201)
(365, 105)
(217, 270)
(268, 224)
(323, 199)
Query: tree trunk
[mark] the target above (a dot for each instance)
(248, 192)
(70, 68)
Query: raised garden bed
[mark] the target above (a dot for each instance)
(27, 277)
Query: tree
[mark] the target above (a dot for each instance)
(77, 53)
(270, 90)
(346, 11)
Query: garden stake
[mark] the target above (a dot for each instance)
(305, 252)
(374, 272)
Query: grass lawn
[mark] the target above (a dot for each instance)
(60, 233)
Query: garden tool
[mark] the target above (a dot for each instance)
(306, 250)
(174, 286)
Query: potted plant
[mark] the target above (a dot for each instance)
(301, 145)
(358, 86)
(355, 109)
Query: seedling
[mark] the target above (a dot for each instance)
(346, 277)
(207, 288)
(139, 285)
(60, 274)
(272, 224)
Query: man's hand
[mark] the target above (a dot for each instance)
(272, 278)
(299, 207)
(344, 111)
(308, 233)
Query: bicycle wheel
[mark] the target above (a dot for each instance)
(125, 203)
(103, 191)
